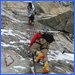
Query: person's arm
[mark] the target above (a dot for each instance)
(33, 7)
(34, 47)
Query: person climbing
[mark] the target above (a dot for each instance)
(39, 46)
(31, 13)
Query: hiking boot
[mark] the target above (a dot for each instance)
(46, 67)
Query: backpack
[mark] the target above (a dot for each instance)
(48, 37)
(36, 36)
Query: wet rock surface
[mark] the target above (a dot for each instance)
(61, 22)
(14, 63)
(16, 39)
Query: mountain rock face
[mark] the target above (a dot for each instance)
(62, 21)
(13, 63)
(54, 8)
(16, 55)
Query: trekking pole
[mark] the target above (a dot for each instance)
(33, 63)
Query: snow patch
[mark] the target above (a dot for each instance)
(22, 58)
(27, 41)
(10, 32)
(58, 68)
(60, 56)
(8, 45)
(19, 67)
(52, 73)
(7, 32)
(4, 45)
(12, 42)
(16, 70)
(32, 68)
(67, 62)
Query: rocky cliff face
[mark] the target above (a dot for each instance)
(62, 21)
(54, 8)
(16, 37)
(61, 18)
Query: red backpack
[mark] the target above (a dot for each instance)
(36, 36)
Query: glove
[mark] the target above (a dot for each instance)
(46, 67)
(39, 56)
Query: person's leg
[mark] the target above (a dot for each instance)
(46, 65)
(29, 22)
(34, 49)
(44, 51)
(32, 19)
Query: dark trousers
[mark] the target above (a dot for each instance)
(31, 18)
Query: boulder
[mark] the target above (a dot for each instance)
(14, 63)
(62, 21)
